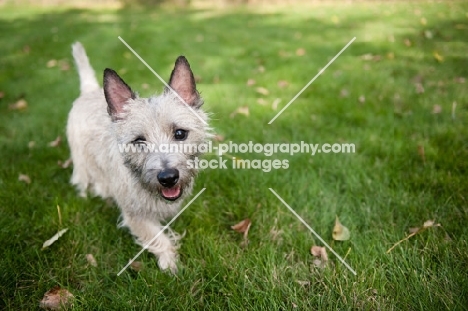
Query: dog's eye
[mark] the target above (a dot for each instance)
(180, 134)
(139, 140)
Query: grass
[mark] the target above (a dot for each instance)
(379, 192)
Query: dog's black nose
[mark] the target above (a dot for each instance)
(168, 177)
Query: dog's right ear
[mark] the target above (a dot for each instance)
(117, 93)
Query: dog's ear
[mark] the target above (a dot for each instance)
(117, 93)
(183, 82)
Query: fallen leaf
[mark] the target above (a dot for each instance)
(283, 83)
(321, 254)
(419, 88)
(430, 223)
(362, 99)
(218, 137)
(251, 82)
(460, 80)
(56, 236)
(428, 34)
(91, 260)
(56, 299)
(51, 63)
(2, 94)
(241, 110)
(438, 57)
(340, 232)
(344, 93)
(261, 69)
(65, 164)
(262, 90)
(436, 109)
(31, 144)
(413, 231)
(243, 226)
(275, 103)
(300, 52)
(55, 142)
(136, 266)
(25, 178)
(64, 65)
(407, 42)
(262, 101)
(19, 105)
(422, 153)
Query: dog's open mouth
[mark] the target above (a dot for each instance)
(171, 194)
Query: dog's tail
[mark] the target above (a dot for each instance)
(88, 82)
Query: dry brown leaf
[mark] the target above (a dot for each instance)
(262, 101)
(2, 94)
(275, 103)
(241, 110)
(422, 153)
(262, 90)
(438, 57)
(55, 142)
(65, 164)
(64, 65)
(436, 109)
(407, 42)
(413, 231)
(300, 52)
(19, 105)
(243, 226)
(460, 80)
(340, 232)
(56, 299)
(56, 236)
(419, 88)
(321, 254)
(282, 83)
(136, 266)
(25, 178)
(251, 82)
(362, 99)
(344, 93)
(218, 137)
(51, 63)
(91, 260)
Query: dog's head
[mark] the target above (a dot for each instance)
(157, 136)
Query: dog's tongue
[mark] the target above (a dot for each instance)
(171, 192)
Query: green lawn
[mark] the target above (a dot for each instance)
(410, 165)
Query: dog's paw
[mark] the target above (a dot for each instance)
(168, 262)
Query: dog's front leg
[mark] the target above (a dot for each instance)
(163, 246)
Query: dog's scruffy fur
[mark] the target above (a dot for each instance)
(148, 187)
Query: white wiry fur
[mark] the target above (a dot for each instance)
(94, 131)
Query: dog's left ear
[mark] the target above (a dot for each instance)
(117, 93)
(183, 82)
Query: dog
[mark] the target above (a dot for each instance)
(148, 187)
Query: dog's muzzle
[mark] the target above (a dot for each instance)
(168, 178)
